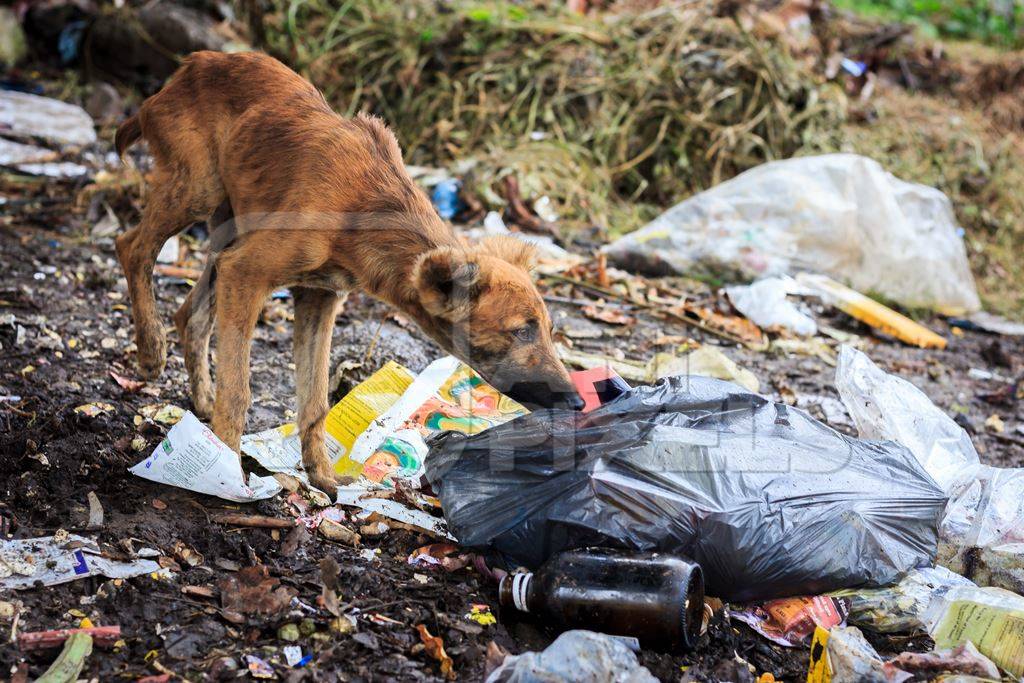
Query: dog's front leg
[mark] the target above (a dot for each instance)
(315, 311)
(240, 294)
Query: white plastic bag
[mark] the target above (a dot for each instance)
(839, 214)
(982, 530)
(764, 302)
(886, 407)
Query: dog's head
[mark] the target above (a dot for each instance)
(484, 309)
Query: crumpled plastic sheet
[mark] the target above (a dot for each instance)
(982, 531)
(885, 406)
(765, 304)
(838, 214)
(900, 608)
(769, 501)
(575, 656)
(982, 534)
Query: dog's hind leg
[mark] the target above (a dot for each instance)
(168, 212)
(194, 319)
(315, 311)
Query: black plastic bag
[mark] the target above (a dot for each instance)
(769, 501)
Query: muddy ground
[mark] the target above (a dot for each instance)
(66, 327)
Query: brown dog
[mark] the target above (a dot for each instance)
(300, 197)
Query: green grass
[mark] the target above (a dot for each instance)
(980, 20)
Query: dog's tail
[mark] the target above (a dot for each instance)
(127, 133)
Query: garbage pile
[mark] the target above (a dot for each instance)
(807, 534)
(799, 533)
(698, 468)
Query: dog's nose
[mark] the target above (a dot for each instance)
(576, 402)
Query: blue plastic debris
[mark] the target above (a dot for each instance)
(69, 41)
(446, 198)
(853, 68)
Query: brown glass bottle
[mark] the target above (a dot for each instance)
(655, 598)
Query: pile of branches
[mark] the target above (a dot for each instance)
(634, 107)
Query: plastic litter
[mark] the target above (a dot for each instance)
(545, 208)
(851, 659)
(988, 322)
(964, 660)
(991, 618)
(38, 161)
(446, 198)
(597, 386)
(982, 531)
(62, 558)
(900, 608)
(982, 534)
(698, 468)
(548, 250)
(840, 214)
(259, 668)
(843, 655)
(870, 312)
(707, 361)
(575, 656)
(884, 406)
(791, 621)
(31, 116)
(13, 46)
(70, 662)
(764, 302)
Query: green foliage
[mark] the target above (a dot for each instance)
(633, 108)
(996, 22)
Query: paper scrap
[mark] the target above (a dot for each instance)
(279, 449)
(358, 496)
(193, 458)
(378, 430)
(51, 561)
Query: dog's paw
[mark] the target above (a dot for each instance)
(202, 403)
(327, 481)
(152, 356)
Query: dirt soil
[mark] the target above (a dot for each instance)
(65, 328)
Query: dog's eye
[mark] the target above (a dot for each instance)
(524, 333)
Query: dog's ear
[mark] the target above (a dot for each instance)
(511, 250)
(446, 281)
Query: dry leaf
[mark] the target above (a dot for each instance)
(607, 314)
(435, 648)
(129, 385)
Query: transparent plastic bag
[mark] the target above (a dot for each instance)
(991, 618)
(982, 531)
(884, 406)
(899, 608)
(582, 656)
(769, 501)
(839, 214)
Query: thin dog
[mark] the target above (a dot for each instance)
(301, 197)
